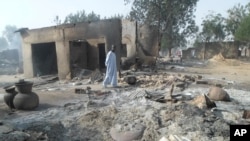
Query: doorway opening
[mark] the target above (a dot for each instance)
(102, 56)
(44, 58)
(78, 57)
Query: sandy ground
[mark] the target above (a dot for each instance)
(229, 69)
(124, 114)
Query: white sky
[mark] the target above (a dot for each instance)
(40, 13)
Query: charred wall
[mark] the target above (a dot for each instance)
(148, 40)
(129, 37)
(107, 30)
(129, 51)
(141, 42)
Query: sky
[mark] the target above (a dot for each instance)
(41, 13)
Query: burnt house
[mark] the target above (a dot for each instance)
(60, 49)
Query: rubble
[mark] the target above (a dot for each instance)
(164, 105)
(10, 134)
(203, 102)
(96, 76)
(246, 114)
(201, 82)
(130, 79)
(123, 133)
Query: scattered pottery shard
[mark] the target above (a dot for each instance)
(218, 94)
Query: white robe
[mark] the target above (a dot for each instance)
(111, 70)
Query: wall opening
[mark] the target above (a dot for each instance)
(102, 56)
(124, 50)
(44, 58)
(78, 56)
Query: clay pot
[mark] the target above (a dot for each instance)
(9, 96)
(26, 101)
(24, 86)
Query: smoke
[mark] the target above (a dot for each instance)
(16, 43)
(11, 48)
(12, 38)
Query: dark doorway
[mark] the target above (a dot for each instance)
(124, 50)
(44, 58)
(78, 57)
(102, 55)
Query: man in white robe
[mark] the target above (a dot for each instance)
(111, 70)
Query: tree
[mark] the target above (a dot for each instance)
(173, 18)
(235, 16)
(57, 20)
(93, 17)
(243, 32)
(116, 16)
(213, 28)
(81, 16)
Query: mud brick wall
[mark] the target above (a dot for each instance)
(228, 50)
(108, 30)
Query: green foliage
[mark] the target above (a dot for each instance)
(243, 32)
(235, 16)
(213, 28)
(198, 39)
(174, 19)
(116, 16)
(217, 28)
(81, 16)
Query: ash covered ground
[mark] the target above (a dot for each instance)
(146, 111)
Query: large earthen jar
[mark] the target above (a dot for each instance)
(9, 96)
(25, 99)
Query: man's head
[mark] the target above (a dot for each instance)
(113, 48)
